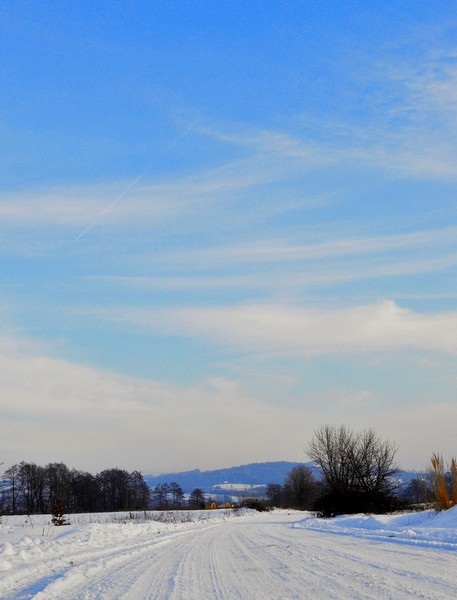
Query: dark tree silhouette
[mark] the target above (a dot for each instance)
(197, 499)
(358, 470)
(300, 488)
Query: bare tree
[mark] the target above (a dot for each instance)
(160, 496)
(374, 463)
(274, 493)
(12, 476)
(358, 469)
(140, 493)
(300, 487)
(330, 449)
(32, 484)
(85, 495)
(176, 495)
(197, 498)
(57, 484)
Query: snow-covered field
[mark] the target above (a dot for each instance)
(226, 554)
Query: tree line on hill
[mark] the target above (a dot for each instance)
(250, 474)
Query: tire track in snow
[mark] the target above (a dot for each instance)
(115, 575)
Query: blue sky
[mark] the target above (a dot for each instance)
(224, 224)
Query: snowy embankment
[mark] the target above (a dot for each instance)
(425, 528)
(228, 554)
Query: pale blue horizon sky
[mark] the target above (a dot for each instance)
(223, 225)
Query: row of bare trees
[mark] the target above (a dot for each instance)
(167, 496)
(29, 488)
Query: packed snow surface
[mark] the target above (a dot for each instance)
(229, 555)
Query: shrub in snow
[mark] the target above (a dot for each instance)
(255, 503)
(58, 513)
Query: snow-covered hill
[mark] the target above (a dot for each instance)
(250, 474)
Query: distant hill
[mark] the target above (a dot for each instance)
(253, 474)
(244, 478)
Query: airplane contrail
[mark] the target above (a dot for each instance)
(129, 187)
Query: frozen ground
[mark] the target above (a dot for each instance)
(225, 555)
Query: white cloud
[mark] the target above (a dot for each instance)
(90, 418)
(304, 332)
(57, 410)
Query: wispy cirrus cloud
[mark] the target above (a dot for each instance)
(403, 121)
(288, 250)
(270, 143)
(288, 279)
(432, 86)
(77, 205)
(288, 265)
(413, 115)
(399, 118)
(410, 129)
(410, 145)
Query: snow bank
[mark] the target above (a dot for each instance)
(426, 528)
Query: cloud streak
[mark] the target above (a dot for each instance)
(272, 251)
(382, 327)
(74, 205)
(287, 278)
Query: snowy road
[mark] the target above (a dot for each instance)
(261, 556)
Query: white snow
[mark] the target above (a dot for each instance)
(238, 487)
(425, 528)
(229, 554)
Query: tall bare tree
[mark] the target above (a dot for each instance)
(300, 488)
(275, 494)
(197, 498)
(358, 469)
